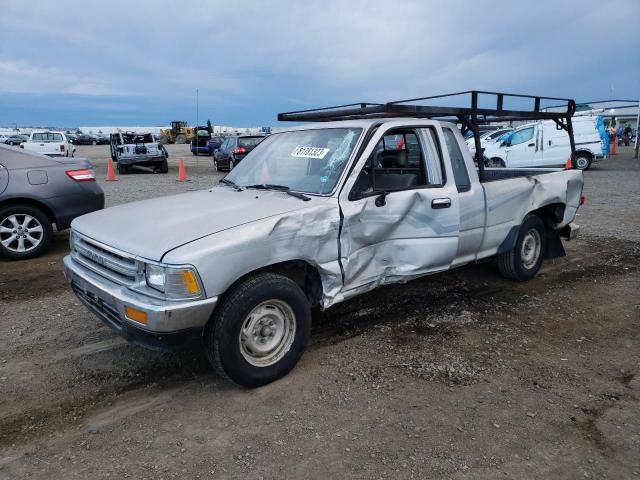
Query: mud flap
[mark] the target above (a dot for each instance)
(555, 249)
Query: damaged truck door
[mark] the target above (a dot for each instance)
(400, 207)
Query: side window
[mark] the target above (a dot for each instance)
(398, 163)
(522, 136)
(460, 174)
(37, 137)
(57, 137)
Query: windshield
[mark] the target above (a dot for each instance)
(309, 161)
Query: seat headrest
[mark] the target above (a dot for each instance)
(394, 158)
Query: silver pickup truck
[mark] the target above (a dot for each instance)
(313, 216)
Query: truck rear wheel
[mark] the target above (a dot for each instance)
(164, 166)
(259, 331)
(523, 261)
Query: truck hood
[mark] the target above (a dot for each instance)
(151, 228)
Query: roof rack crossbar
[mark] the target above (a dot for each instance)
(399, 108)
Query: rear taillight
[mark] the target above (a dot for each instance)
(239, 150)
(62, 147)
(583, 199)
(84, 175)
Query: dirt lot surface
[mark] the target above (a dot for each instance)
(462, 375)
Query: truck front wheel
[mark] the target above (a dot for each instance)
(259, 331)
(523, 261)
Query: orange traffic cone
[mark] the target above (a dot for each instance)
(111, 175)
(568, 165)
(182, 172)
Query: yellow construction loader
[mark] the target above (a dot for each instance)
(179, 132)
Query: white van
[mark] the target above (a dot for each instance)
(544, 144)
(54, 144)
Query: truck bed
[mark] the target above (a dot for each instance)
(494, 174)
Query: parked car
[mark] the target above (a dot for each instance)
(16, 139)
(542, 144)
(54, 144)
(86, 139)
(3, 137)
(233, 150)
(132, 150)
(487, 138)
(312, 216)
(72, 138)
(38, 193)
(215, 143)
(200, 143)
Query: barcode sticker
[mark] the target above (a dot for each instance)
(310, 152)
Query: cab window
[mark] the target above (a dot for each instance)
(402, 160)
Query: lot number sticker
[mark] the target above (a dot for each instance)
(310, 152)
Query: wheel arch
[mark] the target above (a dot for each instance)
(303, 273)
(31, 202)
(550, 214)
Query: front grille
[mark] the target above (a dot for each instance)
(107, 262)
(107, 311)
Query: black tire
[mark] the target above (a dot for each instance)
(164, 166)
(94, 143)
(231, 164)
(583, 161)
(512, 264)
(494, 162)
(222, 339)
(122, 169)
(40, 216)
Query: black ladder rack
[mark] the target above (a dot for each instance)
(469, 116)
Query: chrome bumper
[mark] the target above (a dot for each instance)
(107, 300)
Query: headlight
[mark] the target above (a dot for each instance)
(174, 282)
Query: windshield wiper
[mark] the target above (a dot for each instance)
(279, 188)
(231, 183)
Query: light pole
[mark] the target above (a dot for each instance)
(637, 126)
(197, 110)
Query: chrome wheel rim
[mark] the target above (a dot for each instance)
(20, 233)
(531, 246)
(267, 333)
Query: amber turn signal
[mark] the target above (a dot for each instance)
(135, 315)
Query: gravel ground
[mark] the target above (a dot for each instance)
(463, 375)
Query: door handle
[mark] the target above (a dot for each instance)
(531, 145)
(441, 203)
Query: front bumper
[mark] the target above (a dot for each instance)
(170, 324)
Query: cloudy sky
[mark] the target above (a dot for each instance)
(71, 63)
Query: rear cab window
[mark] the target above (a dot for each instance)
(460, 174)
(249, 141)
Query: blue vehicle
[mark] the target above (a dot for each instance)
(200, 144)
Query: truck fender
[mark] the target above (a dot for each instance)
(554, 247)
